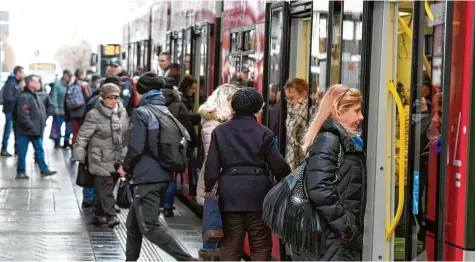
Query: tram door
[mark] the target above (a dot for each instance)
(410, 106)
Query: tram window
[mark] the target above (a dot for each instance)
(248, 70)
(188, 50)
(317, 75)
(336, 45)
(236, 42)
(249, 40)
(351, 44)
(234, 62)
(274, 70)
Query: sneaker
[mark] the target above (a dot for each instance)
(5, 153)
(99, 220)
(87, 204)
(118, 210)
(48, 173)
(57, 145)
(22, 176)
(113, 221)
(66, 144)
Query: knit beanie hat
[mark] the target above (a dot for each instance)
(247, 100)
(110, 89)
(149, 81)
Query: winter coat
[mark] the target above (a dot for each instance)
(209, 122)
(339, 194)
(10, 92)
(241, 157)
(57, 96)
(176, 106)
(127, 92)
(45, 98)
(96, 136)
(30, 117)
(143, 142)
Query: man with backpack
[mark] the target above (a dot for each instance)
(75, 101)
(29, 115)
(57, 94)
(128, 94)
(156, 149)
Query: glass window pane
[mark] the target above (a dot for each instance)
(351, 44)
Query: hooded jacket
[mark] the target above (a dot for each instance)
(96, 134)
(143, 143)
(209, 122)
(336, 182)
(10, 92)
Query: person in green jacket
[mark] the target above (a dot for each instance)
(57, 101)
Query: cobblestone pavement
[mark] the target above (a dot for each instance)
(42, 219)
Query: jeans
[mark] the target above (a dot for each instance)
(142, 221)
(7, 131)
(23, 143)
(170, 194)
(88, 194)
(58, 120)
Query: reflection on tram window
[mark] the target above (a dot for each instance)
(351, 44)
(236, 42)
(249, 40)
(187, 63)
(296, 91)
(317, 76)
(248, 71)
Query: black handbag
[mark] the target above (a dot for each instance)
(124, 194)
(84, 178)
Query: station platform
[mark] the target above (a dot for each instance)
(42, 219)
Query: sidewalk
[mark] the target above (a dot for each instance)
(42, 219)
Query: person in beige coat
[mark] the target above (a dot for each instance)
(103, 136)
(214, 111)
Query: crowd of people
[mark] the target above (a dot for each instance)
(143, 128)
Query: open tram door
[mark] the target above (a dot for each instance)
(419, 195)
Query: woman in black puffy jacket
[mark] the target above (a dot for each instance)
(335, 174)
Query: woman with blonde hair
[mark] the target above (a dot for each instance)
(214, 111)
(335, 174)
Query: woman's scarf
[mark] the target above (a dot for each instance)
(358, 142)
(116, 128)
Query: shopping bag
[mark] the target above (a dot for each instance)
(84, 178)
(212, 224)
(124, 194)
(55, 132)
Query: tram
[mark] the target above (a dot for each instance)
(409, 59)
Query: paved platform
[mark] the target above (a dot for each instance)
(42, 219)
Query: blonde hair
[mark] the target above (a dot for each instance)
(218, 102)
(338, 99)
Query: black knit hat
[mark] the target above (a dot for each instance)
(149, 81)
(247, 100)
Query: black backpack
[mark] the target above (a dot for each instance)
(172, 141)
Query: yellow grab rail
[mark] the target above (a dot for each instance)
(401, 155)
(407, 31)
(428, 11)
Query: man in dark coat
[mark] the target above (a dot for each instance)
(127, 92)
(30, 122)
(240, 159)
(10, 92)
(149, 178)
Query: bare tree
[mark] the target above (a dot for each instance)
(9, 60)
(74, 56)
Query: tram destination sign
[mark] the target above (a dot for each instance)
(110, 50)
